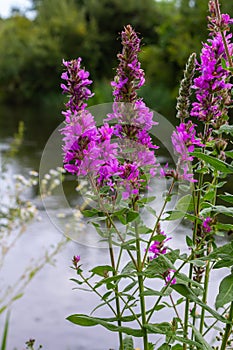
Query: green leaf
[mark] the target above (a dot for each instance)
(189, 241)
(187, 293)
(223, 252)
(225, 294)
(129, 286)
(203, 344)
(218, 209)
(183, 279)
(5, 332)
(185, 204)
(223, 263)
(174, 215)
(90, 213)
(160, 328)
(151, 346)
(223, 62)
(229, 154)
(108, 281)
(151, 292)
(158, 238)
(144, 229)
(177, 347)
(131, 216)
(128, 269)
(146, 200)
(101, 270)
(217, 164)
(158, 266)
(89, 321)
(224, 227)
(226, 128)
(164, 346)
(128, 343)
(227, 197)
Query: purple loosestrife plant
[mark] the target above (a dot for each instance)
(145, 275)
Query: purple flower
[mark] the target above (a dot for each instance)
(212, 84)
(76, 85)
(130, 76)
(184, 140)
(92, 151)
(158, 248)
(76, 260)
(207, 224)
(167, 277)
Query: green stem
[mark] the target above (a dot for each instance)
(218, 12)
(167, 286)
(228, 329)
(116, 290)
(157, 221)
(97, 293)
(176, 311)
(210, 327)
(141, 283)
(208, 265)
(206, 289)
(226, 49)
(121, 238)
(131, 310)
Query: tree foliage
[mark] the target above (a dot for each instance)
(32, 49)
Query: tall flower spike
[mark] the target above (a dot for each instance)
(183, 100)
(76, 86)
(130, 76)
(212, 86)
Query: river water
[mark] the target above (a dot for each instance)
(49, 298)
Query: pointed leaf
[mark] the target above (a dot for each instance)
(102, 270)
(227, 197)
(164, 346)
(131, 215)
(187, 293)
(217, 164)
(88, 321)
(225, 294)
(201, 340)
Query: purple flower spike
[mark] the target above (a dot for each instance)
(212, 86)
(76, 85)
(130, 76)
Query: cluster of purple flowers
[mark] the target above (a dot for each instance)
(184, 140)
(159, 248)
(76, 86)
(212, 85)
(102, 153)
(206, 224)
(130, 76)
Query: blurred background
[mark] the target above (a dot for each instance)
(38, 34)
(35, 35)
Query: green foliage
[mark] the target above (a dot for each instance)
(225, 294)
(88, 321)
(32, 50)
